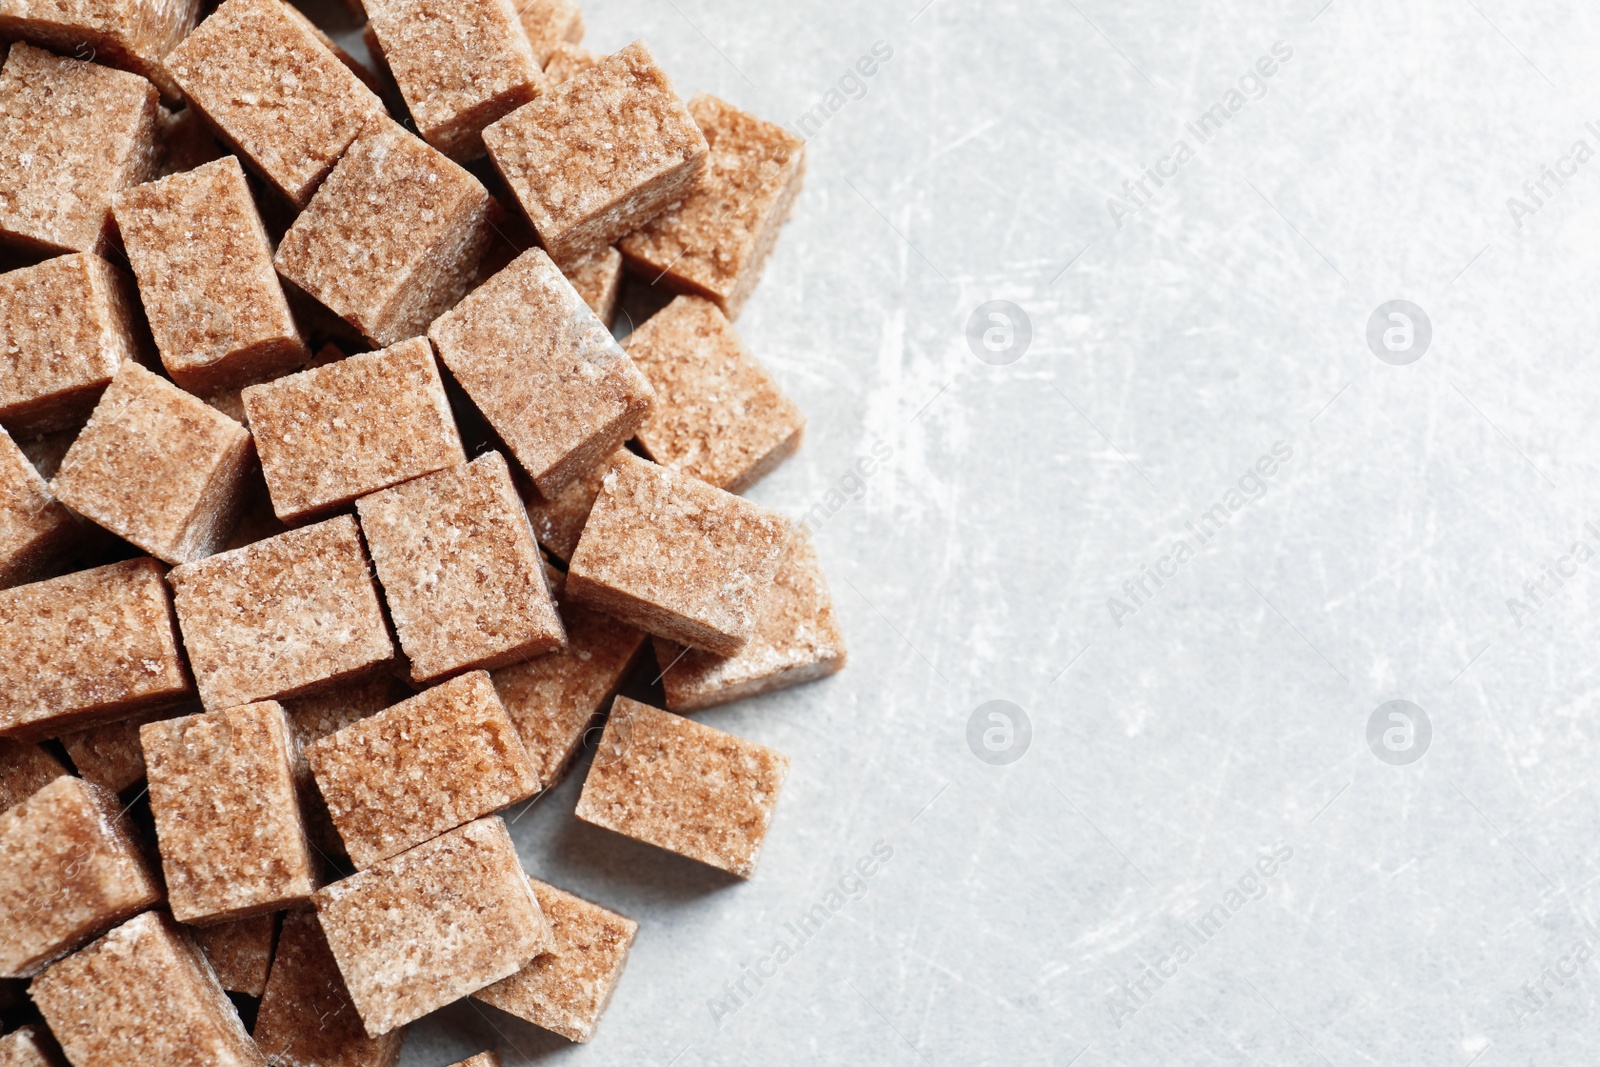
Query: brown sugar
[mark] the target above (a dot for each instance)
(24, 770)
(71, 135)
(227, 818)
(337, 432)
(157, 467)
(185, 142)
(28, 1047)
(550, 24)
(239, 951)
(315, 717)
(69, 870)
(558, 520)
(683, 786)
(111, 756)
(35, 529)
(482, 1059)
(565, 60)
(433, 924)
(392, 239)
(204, 266)
(597, 276)
(288, 616)
(544, 371)
(719, 415)
(306, 1017)
(716, 242)
(129, 34)
(600, 154)
(460, 570)
(87, 648)
(677, 557)
(285, 103)
(567, 989)
(143, 994)
(66, 325)
(427, 765)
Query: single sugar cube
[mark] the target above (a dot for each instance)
(315, 717)
(677, 557)
(87, 648)
(111, 755)
(719, 415)
(597, 277)
(797, 639)
(544, 370)
(459, 66)
(432, 925)
(158, 467)
(36, 531)
(288, 616)
(134, 35)
(71, 135)
(66, 325)
(427, 765)
(337, 432)
(600, 154)
(227, 817)
(70, 869)
(28, 1047)
(204, 265)
(392, 239)
(683, 786)
(306, 1017)
(24, 770)
(716, 242)
(142, 994)
(239, 951)
(566, 60)
(277, 95)
(460, 570)
(567, 989)
(550, 24)
(558, 520)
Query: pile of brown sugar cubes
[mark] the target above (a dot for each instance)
(333, 517)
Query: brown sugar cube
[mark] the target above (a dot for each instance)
(231, 401)
(558, 520)
(716, 242)
(393, 237)
(129, 34)
(35, 530)
(565, 60)
(567, 989)
(239, 951)
(544, 370)
(204, 266)
(288, 616)
(87, 648)
(677, 557)
(315, 717)
(28, 1047)
(459, 66)
(24, 770)
(66, 325)
(157, 467)
(142, 994)
(111, 756)
(432, 925)
(185, 142)
(334, 433)
(550, 24)
(597, 276)
(599, 155)
(275, 93)
(71, 135)
(227, 818)
(306, 1017)
(683, 786)
(69, 870)
(719, 415)
(427, 765)
(482, 1059)
(460, 570)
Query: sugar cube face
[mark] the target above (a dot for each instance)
(306, 1017)
(27, 1048)
(566, 60)
(568, 987)
(683, 786)
(600, 154)
(280, 98)
(677, 557)
(716, 242)
(69, 870)
(35, 530)
(797, 639)
(227, 817)
(24, 770)
(87, 648)
(204, 265)
(550, 24)
(544, 371)
(142, 994)
(157, 467)
(459, 66)
(239, 951)
(126, 34)
(719, 415)
(111, 755)
(66, 325)
(433, 924)
(72, 134)
(389, 272)
(337, 432)
(460, 570)
(597, 276)
(287, 616)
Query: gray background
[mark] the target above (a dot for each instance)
(1227, 715)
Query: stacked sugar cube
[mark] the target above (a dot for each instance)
(332, 510)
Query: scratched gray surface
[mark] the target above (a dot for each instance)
(1431, 910)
